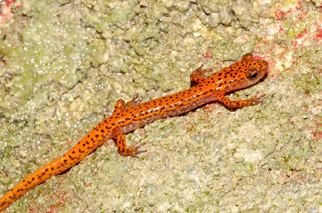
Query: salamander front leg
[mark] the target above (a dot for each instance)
(198, 75)
(119, 139)
(239, 103)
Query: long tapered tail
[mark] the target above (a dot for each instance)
(55, 167)
(30, 181)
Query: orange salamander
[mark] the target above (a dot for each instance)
(129, 116)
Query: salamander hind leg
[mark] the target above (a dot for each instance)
(119, 137)
(134, 102)
(198, 75)
(233, 105)
(121, 104)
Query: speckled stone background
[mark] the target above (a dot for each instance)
(64, 63)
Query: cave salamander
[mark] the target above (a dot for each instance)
(129, 116)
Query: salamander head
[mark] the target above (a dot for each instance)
(241, 74)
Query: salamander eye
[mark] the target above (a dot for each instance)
(252, 74)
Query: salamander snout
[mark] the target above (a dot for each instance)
(263, 66)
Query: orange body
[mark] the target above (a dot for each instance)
(132, 115)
